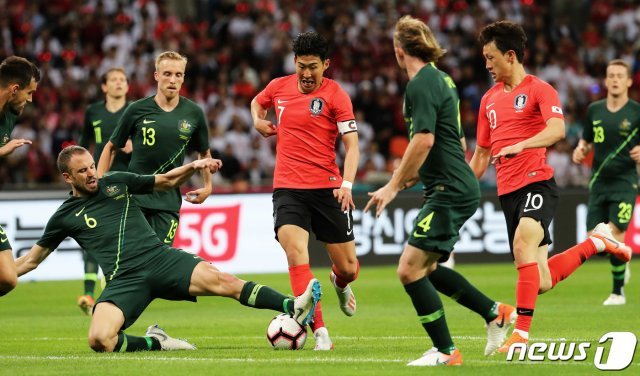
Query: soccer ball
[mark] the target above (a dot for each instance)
(284, 333)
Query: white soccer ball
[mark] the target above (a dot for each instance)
(284, 333)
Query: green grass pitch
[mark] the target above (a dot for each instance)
(42, 332)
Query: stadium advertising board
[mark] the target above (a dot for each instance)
(236, 233)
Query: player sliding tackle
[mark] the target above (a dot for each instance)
(102, 217)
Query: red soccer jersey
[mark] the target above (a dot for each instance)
(307, 127)
(508, 118)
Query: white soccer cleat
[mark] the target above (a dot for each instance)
(304, 305)
(602, 233)
(615, 299)
(434, 357)
(168, 343)
(498, 328)
(323, 342)
(345, 296)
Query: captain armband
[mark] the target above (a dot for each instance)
(347, 126)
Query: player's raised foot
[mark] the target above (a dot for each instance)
(615, 299)
(323, 341)
(86, 302)
(345, 296)
(602, 233)
(168, 343)
(305, 304)
(515, 339)
(498, 328)
(434, 357)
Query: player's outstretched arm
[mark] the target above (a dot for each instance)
(13, 145)
(32, 259)
(552, 133)
(106, 159)
(259, 113)
(480, 161)
(199, 195)
(351, 160)
(177, 176)
(415, 155)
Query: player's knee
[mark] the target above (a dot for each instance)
(100, 343)
(348, 271)
(7, 283)
(405, 274)
(101, 340)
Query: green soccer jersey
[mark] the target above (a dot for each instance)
(107, 224)
(99, 124)
(613, 135)
(160, 142)
(431, 105)
(7, 122)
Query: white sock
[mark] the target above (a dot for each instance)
(600, 247)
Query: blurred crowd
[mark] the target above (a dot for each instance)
(236, 47)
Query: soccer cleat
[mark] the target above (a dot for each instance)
(498, 328)
(618, 249)
(345, 296)
(434, 357)
(304, 305)
(86, 302)
(615, 299)
(514, 339)
(323, 342)
(168, 343)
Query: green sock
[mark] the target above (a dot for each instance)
(127, 343)
(430, 312)
(90, 273)
(452, 284)
(264, 297)
(617, 270)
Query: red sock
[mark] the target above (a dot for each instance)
(342, 281)
(565, 263)
(299, 276)
(526, 294)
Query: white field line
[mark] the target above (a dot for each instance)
(278, 360)
(347, 338)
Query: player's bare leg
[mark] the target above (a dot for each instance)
(345, 270)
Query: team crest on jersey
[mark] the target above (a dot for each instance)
(520, 102)
(625, 127)
(316, 106)
(4, 141)
(184, 126)
(112, 190)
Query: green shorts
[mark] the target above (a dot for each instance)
(166, 276)
(164, 223)
(4, 240)
(616, 208)
(438, 224)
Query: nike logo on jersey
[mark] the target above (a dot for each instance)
(349, 232)
(80, 212)
(596, 122)
(416, 235)
(2, 240)
(489, 106)
(529, 209)
(281, 101)
(96, 123)
(145, 121)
